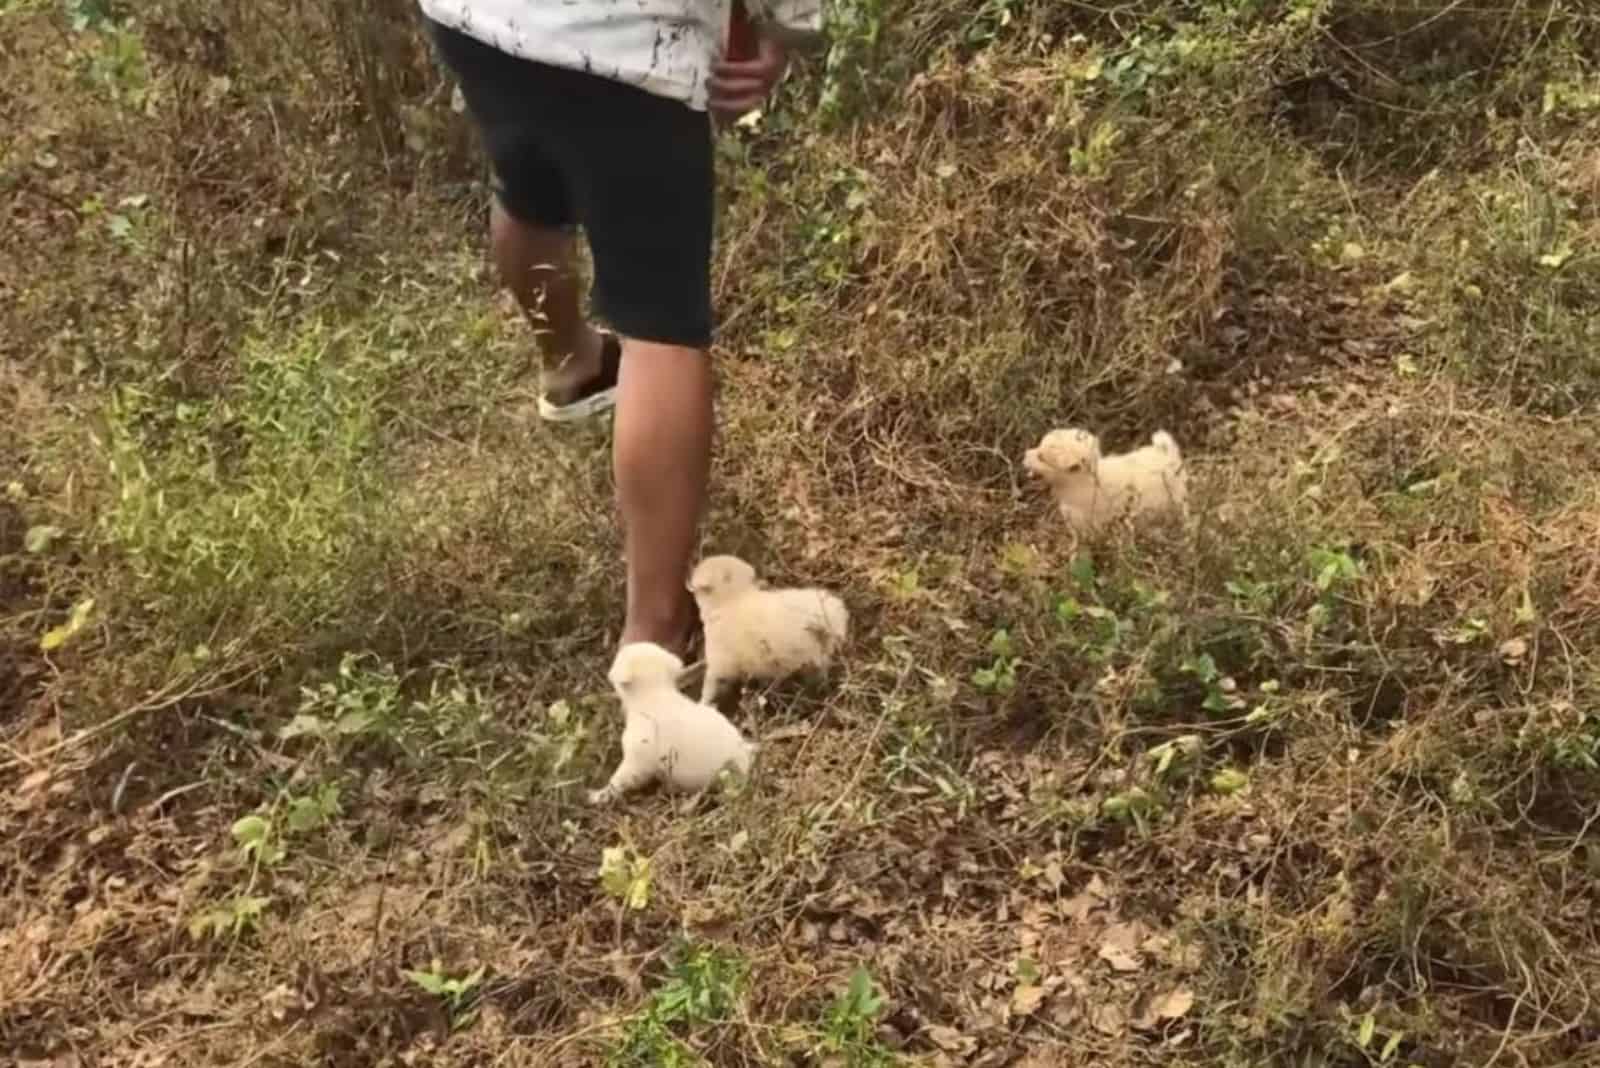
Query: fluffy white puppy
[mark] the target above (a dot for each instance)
(754, 633)
(667, 736)
(1093, 490)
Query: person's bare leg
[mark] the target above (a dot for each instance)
(539, 265)
(662, 460)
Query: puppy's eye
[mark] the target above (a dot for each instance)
(1075, 467)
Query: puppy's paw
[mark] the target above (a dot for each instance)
(602, 796)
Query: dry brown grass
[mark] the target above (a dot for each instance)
(280, 430)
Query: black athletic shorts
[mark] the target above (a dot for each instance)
(633, 168)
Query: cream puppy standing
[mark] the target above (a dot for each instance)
(753, 633)
(666, 735)
(1093, 490)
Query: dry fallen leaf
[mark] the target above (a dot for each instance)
(1064, 1012)
(1109, 1019)
(1120, 946)
(1025, 1001)
(950, 1040)
(1120, 960)
(1079, 906)
(1172, 1005)
(29, 787)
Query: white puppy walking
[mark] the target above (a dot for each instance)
(1092, 490)
(666, 735)
(753, 633)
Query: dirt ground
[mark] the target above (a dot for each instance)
(304, 616)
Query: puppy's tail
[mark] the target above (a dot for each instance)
(1165, 442)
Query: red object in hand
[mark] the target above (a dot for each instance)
(742, 41)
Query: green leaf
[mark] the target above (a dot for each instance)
(1229, 781)
(250, 832)
(1162, 756)
(1556, 259)
(233, 917)
(353, 722)
(432, 982)
(639, 887)
(1390, 1047)
(304, 815)
(56, 637)
(1202, 667)
(1526, 613)
(614, 870)
(1364, 1034)
(863, 999)
(1087, 69)
(328, 800)
(466, 983)
(303, 724)
(625, 876)
(246, 910)
(1018, 558)
(39, 538)
(1000, 643)
(209, 922)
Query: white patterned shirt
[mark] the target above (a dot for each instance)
(665, 47)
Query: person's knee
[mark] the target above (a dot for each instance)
(513, 237)
(664, 357)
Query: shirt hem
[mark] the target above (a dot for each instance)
(691, 94)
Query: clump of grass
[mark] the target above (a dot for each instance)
(257, 503)
(701, 991)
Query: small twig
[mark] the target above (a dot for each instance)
(173, 794)
(377, 912)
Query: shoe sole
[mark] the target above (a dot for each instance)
(587, 408)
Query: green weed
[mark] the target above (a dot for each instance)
(849, 1025)
(258, 502)
(854, 28)
(702, 988)
(457, 992)
(236, 917)
(913, 763)
(999, 676)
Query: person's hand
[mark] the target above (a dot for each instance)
(739, 86)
